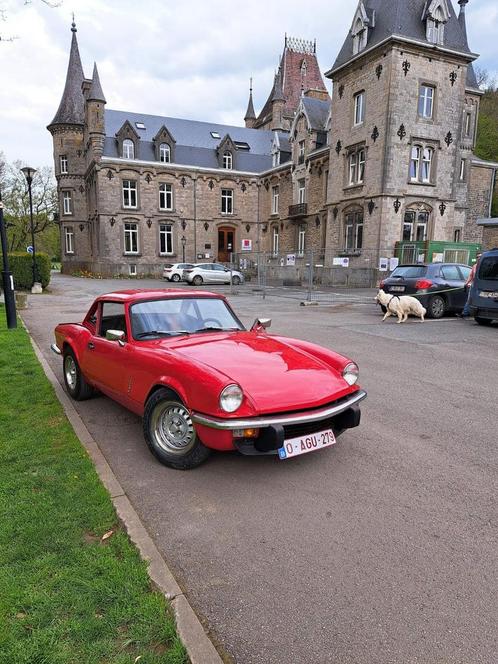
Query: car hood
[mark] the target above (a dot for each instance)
(273, 374)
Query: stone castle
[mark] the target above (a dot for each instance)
(387, 161)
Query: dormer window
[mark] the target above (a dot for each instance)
(227, 160)
(128, 149)
(164, 153)
(436, 16)
(359, 36)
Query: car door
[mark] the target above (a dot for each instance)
(451, 279)
(221, 276)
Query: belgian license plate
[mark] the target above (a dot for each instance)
(397, 289)
(310, 443)
(490, 294)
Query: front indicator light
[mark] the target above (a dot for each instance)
(351, 373)
(231, 398)
(245, 433)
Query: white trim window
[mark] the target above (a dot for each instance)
(165, 196)
(426, 101)
(67, 202)
(301, 241)
(468, 124)
(276, 158)
(164, 153)
(227, 160)
(63, 164)
(68, 240)
(461, 175)
(128, 149)
(227, 201)
(274, 199)
(165, 239)
(301, 191)
(415, 225)
(360, 35)
(359, 108)
(353, 230)
(129, 193)
(356, 163)
(131, 238)
(421, 164)
(275, 242)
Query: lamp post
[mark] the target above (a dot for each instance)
(184, 242)
(7, 280)
(28, 174)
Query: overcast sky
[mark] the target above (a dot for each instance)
(182, 58)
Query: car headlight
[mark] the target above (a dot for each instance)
(231, 398)
(351, 373)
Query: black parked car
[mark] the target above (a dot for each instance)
(484, 293)
(440, 287)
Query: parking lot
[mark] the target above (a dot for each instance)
(382, 549)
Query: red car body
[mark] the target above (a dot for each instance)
(285, 382)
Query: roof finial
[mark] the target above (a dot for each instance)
(73, 25)
(250, 85)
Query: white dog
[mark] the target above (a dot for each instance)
(401, 305)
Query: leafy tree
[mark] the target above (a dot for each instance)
(487, 129)
(16, 208)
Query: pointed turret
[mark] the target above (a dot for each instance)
(96, 93)
(250, 116)
(461, 19)
(278, 94)
(471, 80)
(72, 108)
(95, 117)
(277, 103)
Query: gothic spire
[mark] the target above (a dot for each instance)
(461, 19)
(96, 93)
(250, 114)
(71, 108)
(278, 94)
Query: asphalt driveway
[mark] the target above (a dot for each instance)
(382, 549)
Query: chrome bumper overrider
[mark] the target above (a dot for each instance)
(293, 418)
(55, 348)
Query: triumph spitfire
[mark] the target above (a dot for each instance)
(184, 362)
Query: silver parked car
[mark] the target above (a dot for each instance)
(174, 271)
(211, 273)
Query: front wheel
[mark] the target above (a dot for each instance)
(175, 277)
(236, 280)
(76, 385)
(170, 434)
(436, 307)
(482, 321)
(197, 280)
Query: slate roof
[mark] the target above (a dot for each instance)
(403, 18)
(194, 144)
(317, 111)
(96, 93)
(72, 107)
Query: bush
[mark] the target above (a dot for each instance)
(21, 267)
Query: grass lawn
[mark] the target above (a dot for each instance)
(66, 595)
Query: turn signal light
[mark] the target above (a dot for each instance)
(245, 433)
(422, 284)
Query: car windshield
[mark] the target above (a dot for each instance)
(410, 271)
(176, 316)
(488, 269)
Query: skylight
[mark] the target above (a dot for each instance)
(139, 125)
(215, 134)
(242, 145)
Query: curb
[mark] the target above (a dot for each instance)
(199, 647)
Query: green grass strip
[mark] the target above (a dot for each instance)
(66, 596)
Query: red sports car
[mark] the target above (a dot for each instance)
(201, 381)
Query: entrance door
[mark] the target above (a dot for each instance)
(225, 243)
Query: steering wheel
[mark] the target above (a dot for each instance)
(212, 320)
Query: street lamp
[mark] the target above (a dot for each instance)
(7, 281)
(28, 174)
(184, 242)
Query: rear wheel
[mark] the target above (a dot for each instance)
(197, 280)
(170, 434)
(436, 307)
(482, 321)
(76, 385)
(236, 280)
(175, 277)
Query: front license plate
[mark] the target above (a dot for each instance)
(310, 443)
(397, 289)
(492, 295)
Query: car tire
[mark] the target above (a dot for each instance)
(76, 385)
(176, 277)
(436, 307)
(197, 280)
(170, 433)
(482, 321)
(236, 280)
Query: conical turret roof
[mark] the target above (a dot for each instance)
(96, 93)
(72, 107)
(250, 114)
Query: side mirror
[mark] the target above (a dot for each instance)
(116, 335)
(261, 324)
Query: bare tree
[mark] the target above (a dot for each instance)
(485, 80)
(4, 15)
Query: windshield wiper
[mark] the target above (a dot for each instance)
(217, 329)
(161, 333)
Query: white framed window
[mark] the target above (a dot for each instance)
(69, 240)
(227, 201)
(276, 158)
(421, 163)
(274, 199)
(227, 160)
(427, 164)
(63, 164)
(67, 202)
(435, 30)
(359, 108)
(356, 164)
(457, 235)
(129, 193)
(165, 239)
(359, 36)
(131, 238)
(301, 191)
(164, 153)
(415, 162)
(468, 124)
(415, 225)
(353, 230)
(275, 243)
(426, 101)
(128, 149)
(165, 196)
(132, 270)
(461, 175)
(300, 155)
(301, 240)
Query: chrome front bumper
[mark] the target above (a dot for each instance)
(284, 419)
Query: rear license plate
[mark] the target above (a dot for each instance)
(492, 295)
(310, 443)
(397, 289)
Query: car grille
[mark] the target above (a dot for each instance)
(487, 313)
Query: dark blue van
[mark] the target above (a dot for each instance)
(484, 292)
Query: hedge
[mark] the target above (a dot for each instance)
(21, 263)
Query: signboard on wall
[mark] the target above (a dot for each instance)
(393, 263)
(291, 259)
(340, 261)
(246, 245)
(383, 264)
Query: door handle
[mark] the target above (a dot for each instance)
(91, 345)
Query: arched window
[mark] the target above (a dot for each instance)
(275, 241)
(128, 149)
(227, 160)
(165, 153)
(435, 26)
(359, 36)
(416, 223)
(421, 163)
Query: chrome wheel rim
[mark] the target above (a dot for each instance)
(70, 372)
(437, 307)
(172, 428)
